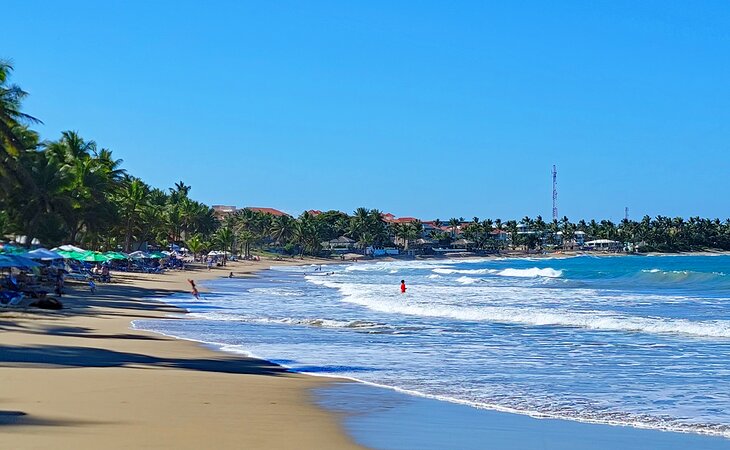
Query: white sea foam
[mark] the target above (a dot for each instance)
(387, 266)
(274, 292)
(508, 272)
(445, 271)
(467, 280)
(314, 321)
(379, 298)
(531, 273)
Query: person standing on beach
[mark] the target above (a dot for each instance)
(402, 286)
(59, 283)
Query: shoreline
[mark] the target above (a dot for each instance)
(25, 425)
(492, 408)
(84, 375)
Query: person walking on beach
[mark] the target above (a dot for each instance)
(402, 286)
(59, 283)
(194, 291)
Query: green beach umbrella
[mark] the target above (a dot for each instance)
(68, 254)
(94, 257)
(157, 255)
(115, 255)
(8, 249)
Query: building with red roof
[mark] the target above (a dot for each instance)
(272, 211)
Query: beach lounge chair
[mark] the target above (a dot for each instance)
(17, 301)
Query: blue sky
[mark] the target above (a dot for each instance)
(429, 109)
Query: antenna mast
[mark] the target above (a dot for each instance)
(555, 193)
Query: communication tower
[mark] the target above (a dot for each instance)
(555, 193)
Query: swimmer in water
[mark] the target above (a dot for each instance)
(194, 291)
(402, 286)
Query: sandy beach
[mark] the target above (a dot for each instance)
(82, 378)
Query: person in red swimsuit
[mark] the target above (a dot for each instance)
(402, 286)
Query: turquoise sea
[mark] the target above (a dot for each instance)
(642, 341)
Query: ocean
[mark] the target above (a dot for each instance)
(642, 341)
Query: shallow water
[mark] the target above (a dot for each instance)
(643, 341)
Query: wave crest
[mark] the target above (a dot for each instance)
(534, 272)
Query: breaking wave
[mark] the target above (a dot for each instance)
(531, 273)
(593, 320)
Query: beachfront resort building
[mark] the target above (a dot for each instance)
(579, 238)
(272, 211)
(223, 211)
(604, 244)
(342, 244)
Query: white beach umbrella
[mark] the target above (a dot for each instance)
(43, 254)
(139, 255)
(69, 248)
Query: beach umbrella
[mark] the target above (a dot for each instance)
(42, 254)
(8, 249)
(157, 255)
(139, 255)
(115, 255)
(17, 261)
(71, 254)
(69, 248)
(94, 257)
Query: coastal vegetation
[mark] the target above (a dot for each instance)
(72, 190)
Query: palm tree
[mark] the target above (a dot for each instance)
(11, 118)
(281, 229)
(41, 211)
(454, 223)
(245, 239)
(225, 240)
(132, 199)
(196, 245)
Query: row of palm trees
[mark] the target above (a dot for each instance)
(71, 190)
(246, 229)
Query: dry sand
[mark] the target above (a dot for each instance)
(82, 379)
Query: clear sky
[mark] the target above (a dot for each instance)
(428, 109)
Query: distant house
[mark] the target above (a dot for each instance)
(222, 211)
(405, 220)
(272, 211)
(579, 237)
(341, 244)
(314, 212)
(500, 235)
(428, 229)
(388, 218)
(604, 244)
(462, 243)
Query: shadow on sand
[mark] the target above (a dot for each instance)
(55, 356)
(19, 418)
